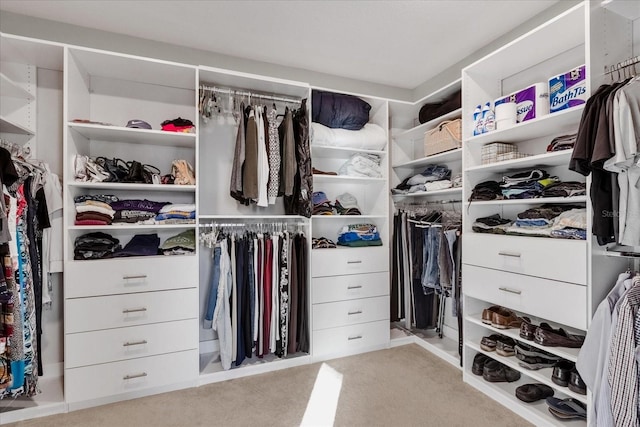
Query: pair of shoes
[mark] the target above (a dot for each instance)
(500, 317)
(528, 329)
(534, 359)
(496, 372)
(567, 408)
(502, 345)
(478, 363)
(565, 374)
(557, 338)
(533, 392)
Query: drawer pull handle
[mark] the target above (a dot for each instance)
(357, 337)
(128, 344)
(354, 287)
(133, 310)
(139, 276)
(131, 377)
(511, 254)
(351, 313)
(355, 262)
(513, 291)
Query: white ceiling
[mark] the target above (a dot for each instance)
(398, 43)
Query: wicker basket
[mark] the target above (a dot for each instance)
(444, 137)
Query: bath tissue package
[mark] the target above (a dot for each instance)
(531, 102)
(568, 89)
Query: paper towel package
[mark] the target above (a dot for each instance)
(531, 102)
(568, 89)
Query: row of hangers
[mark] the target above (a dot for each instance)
(625, 69)
(211, 233)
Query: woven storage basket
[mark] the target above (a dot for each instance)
(444, 137)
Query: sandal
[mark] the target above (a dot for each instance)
(567, 408)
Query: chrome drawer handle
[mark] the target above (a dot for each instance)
(130, 377)
(139, 276)
(133, 310)
(357, 337)
(128, 344)
(512, 254)
(354, 287)
(351, 313)
(354, 262)
(513, 291)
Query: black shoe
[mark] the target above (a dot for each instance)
(496, 372)
(478, 363)
(562, 372)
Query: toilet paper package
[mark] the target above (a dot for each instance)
(531, 102)
(568, 89)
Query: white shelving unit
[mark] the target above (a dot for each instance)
(133, 135)
(491, 275)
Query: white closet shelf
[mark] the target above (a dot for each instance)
(101, 260)
(554, 124)
(626, 8)
(540, 200)
(537, 412)
(541, 375)
(131, 227)
(418, 132)
(12, 89)
(130, 186)
(447, 156)
(345, 178)
(326, 151)
(564, 352)
(558, 158)
(134, 136)
(351, 218)
(447, 191)
(10, 126)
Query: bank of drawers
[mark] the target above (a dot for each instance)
(130, 324)
(350, 300)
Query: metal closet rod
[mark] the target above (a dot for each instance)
(622, 64)
(229, 91)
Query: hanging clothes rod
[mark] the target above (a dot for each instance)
(235, 92)
(622, 64)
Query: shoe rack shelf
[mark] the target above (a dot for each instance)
(541, 375)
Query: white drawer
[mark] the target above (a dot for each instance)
(117, 311)
(111, 345)
(349, 339)
(557, 259)
(560, 302)
(121, 276)
(352, 286)
(336, 262)
(111, 379)
(343, 313)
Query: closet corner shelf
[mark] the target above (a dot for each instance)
(12, 89)
(557, 158)
(553, 124)
(10, 126)
(447, 191)
(447, 156)
(346, 178)
(540, 200)
(418, 132)
(129, 186)
(327, 151)
(131, 227)
(134, 136)
(536, 413)
(564, 352)
(540, 375)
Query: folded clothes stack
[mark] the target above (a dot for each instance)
(432, 178)
(180, 244)
(564, 142)
(528, 184)
(178, 125)
(140, 245)
(95, 245)
(322, 243)
(560, 221)
(94, 210)
(356, 235)
(487, 190)
(565, 189)
(184, 213)
(362, 165)
(346, 204)
(135, 211)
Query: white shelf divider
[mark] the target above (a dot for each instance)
(539, 200)
(131, 186)
(448, 191)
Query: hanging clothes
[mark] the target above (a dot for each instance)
(299, 203)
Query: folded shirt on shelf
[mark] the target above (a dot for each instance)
(359, 235)
(105, 198)
(486, 190)
(140, 205)
(565, 189)
(322, 243)
(95, 245)
(491, 224)
(180, 244)
(140, 245)
(362, 165)
(564, 142)
(132, 216)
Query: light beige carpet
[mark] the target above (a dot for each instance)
(402, 386)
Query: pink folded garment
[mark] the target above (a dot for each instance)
(90, 222)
